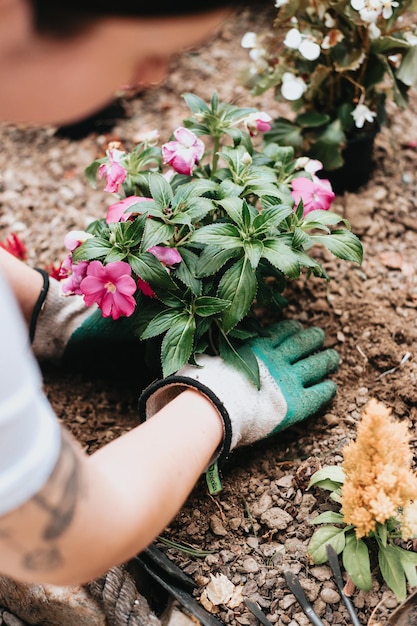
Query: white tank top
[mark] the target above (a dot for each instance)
(30, 437)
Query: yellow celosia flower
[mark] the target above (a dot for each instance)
(379, 479)
(409, 521)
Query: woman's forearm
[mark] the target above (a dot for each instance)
(96, 512)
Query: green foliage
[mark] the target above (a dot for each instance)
(233, 224)
(397, 565)
(328, 59)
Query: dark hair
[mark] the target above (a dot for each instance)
(60, 17)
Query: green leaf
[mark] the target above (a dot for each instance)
(161, 323)
(409, 562)
(323, 217)
(153, 272)
(331, 472)
(211, 261)
(323, 536)
(93, 248)
(312, 119)
(238, 284)
(186, 271)
(328, 517)
(356, 562)
(91, 171)
(253, 251)
(282, 257)
(270, 218)
(392, 570)
(115, 255)
(343, 244)
(177, 344)
(205, 306)
(161, 190)
(196, 104)
(155, 233)
(233, 207)
(218, 235)
(240, 357)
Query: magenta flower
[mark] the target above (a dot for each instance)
(167, 256)
(113, 171)
(75, 273)
(183, 153)
(315, 194)
(145, 288)
(257, 123)
(111, 287)
(118, 212)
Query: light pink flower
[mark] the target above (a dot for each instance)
(75, 238)
(167, 256)
(315, 194)
(75, 273)
(257, 123)
(113, 171)
(111, 286)
(183, 153)
(118, 212)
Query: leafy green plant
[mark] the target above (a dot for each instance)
(336, 64)
(202, 234)
(377, 492)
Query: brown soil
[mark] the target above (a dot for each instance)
(369, 314)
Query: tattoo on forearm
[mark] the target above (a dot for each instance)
(57, 500)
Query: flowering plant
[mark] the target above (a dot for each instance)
(336, 63)
(190, 251)
(377, 491)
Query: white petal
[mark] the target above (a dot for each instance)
(293, 38)
(248, 40)
(310, 50)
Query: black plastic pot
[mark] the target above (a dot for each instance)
(358, 165)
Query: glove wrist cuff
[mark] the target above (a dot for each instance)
(38, 304)
(161, 392)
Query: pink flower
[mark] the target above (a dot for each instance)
(114, 172)
(111, 286)
(315, 194)
(72, 275)
(15, 246)
(145, 288)
(183, 153)
(167, 256)
(118, 212)
(257, 123)
(75, 238)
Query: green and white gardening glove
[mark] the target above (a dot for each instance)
(65, 331)
(293, 372)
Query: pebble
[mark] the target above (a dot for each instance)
(276, 518)
(250, 565)
(330, 596)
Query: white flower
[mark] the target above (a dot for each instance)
(280, 3)
(387, 6)
(292, 87)
(362, 114)
(293, 39)
(248, 40)
(374, 31)
(310, 50)
(329, 20)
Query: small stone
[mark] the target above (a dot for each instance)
(329, 596)
(250, 565)
(276, 518)
(216, 526)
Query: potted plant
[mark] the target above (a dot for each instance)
(199, 234)
(337, 64)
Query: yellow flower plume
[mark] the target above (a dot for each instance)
(379, 480)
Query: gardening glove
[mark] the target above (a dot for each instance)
(293, 374)
(65, 331)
